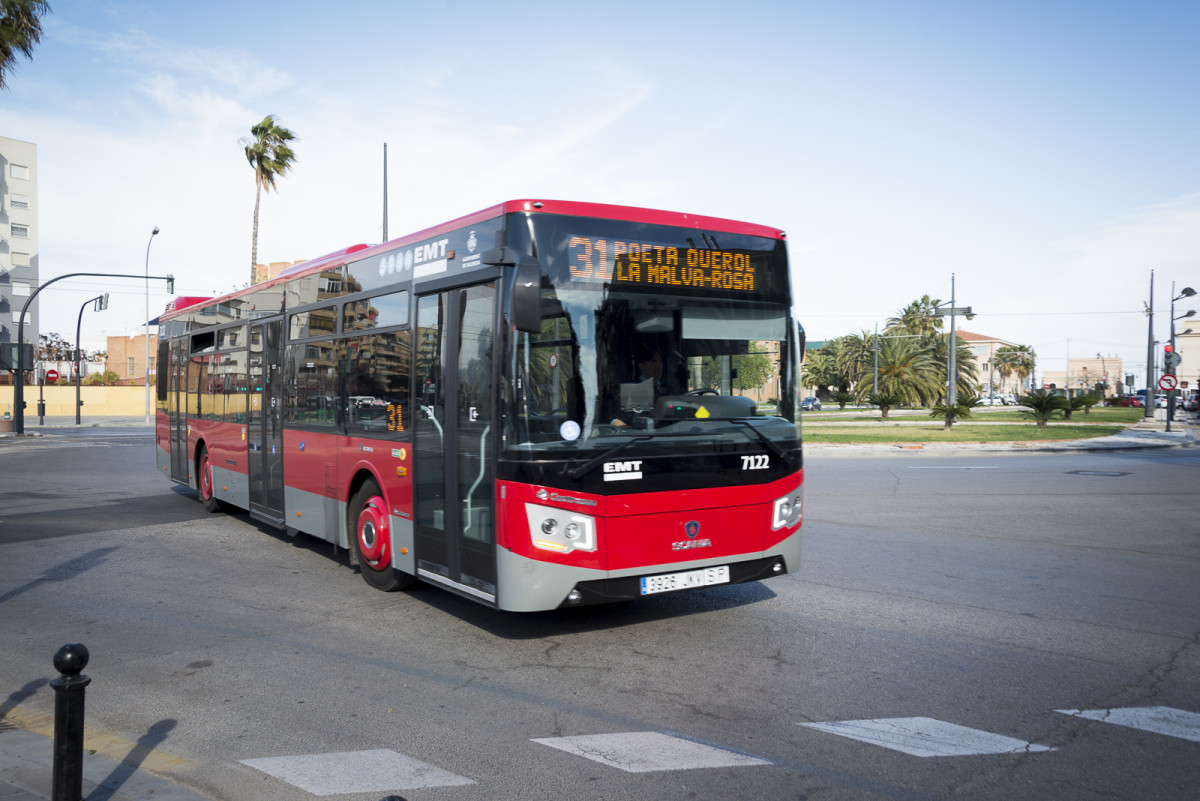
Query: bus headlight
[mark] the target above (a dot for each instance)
(788, 510)
(560, 530)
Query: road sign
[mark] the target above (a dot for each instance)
(1168, 382)
(51, 376)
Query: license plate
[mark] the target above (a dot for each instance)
(685, 580)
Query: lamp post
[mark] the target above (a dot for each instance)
(1186, 292)
(18, 389)
(1104, 377)
(952, 344)
(153, 234)
(101, 302)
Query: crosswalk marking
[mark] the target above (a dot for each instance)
(646, 751)
(375, 771)
(926, 737)
(381, 771)
(1157, 719)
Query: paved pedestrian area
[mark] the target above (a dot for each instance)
(26, 773)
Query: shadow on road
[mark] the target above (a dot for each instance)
(143, 748)
(62, 572)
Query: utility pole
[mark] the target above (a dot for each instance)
(1148, 411)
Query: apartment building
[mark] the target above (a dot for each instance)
(988, 375)
(18, 238)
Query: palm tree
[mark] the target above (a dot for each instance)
(855, 355)
(1015, 360)
(966, 366)
(821, 369)
(20, 30)
(1041, 406)
(919, 317)
(949, 412)
(271, 157)
(907, 371)
(885, 401)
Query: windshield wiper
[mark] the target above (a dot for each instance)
(771, 444)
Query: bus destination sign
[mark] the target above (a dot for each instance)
(656, 264)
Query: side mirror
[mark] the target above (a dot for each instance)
(526, 301)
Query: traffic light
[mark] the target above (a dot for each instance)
(1167, 349)
(103, 303)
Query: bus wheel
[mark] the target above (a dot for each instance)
(204, 481)
(373, 540)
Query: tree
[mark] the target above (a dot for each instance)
(950, 412)
(271, 157)
(842, 397)
(1017, 360)
(855, 354)
(919, 317)
(885, 401)
(821, 370)
(53, 348)
(20, 30)
(1085, 402)
(1041, 406)
(908, 371)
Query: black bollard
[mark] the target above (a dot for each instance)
(67, 783)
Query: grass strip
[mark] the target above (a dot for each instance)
(935, 432)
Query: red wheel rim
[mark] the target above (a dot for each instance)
(206, 482)
(374, 535)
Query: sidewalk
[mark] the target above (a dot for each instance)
(34, 427)
(27, 760)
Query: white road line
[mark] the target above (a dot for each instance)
(926, 737)
(377, 771)
(646, 751)
(1157, 719)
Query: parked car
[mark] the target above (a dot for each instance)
(1160, 401)
(1134, 401)
(810, 404)
(992, 400)
(1009, 399)
(1192, 402)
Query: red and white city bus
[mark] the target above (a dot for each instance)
(539, 405)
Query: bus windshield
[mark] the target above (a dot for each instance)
(649, 333)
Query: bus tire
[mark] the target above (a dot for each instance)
(204, 481)
(372, 537)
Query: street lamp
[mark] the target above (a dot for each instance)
(101, 302)
(153, 234)
(952, 345)
(1186, 292)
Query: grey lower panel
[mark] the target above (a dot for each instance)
(231, 487)
(324, 518)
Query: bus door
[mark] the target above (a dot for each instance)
(264, 429)
(453, 470)
(177, 409)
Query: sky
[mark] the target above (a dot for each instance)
(1042, 155)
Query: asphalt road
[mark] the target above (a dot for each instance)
(943, 599)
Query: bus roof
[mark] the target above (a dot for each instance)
(564, 207)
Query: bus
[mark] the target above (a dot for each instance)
(543, 404)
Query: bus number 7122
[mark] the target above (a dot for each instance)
(458, 406)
